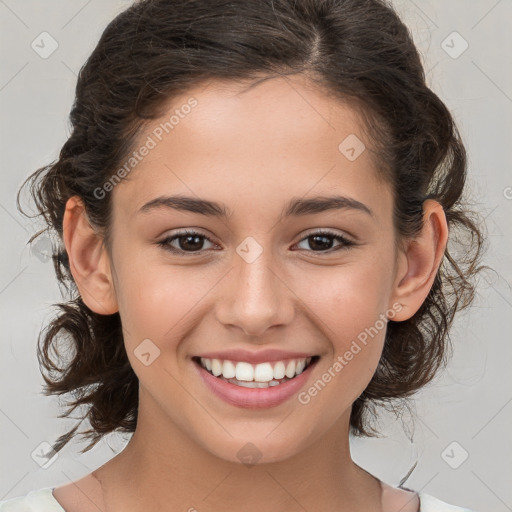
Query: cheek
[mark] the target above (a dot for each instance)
(349, 305)
(163, 305)
(159, 302)
(344, 300)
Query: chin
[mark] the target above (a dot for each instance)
(258, 449)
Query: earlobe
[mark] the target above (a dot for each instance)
(421, 260)
(88, 259)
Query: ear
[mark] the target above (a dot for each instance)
(420, 261)
(88, 259)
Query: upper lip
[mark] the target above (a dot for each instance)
(261, 356)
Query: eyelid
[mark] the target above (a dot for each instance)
(345, 241)
(188, 231)
(327, 231)
(165, 242)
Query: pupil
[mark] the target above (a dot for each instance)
(187, 245)
(327, 241)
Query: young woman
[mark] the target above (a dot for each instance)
(253, 208)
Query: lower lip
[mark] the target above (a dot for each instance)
(254, 398)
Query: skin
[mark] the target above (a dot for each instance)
(253, 151)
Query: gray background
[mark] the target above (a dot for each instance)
(469, 404)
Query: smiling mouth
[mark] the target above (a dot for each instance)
(262, 375)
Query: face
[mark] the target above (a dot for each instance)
(259, 277)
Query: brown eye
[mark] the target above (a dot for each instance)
(189, 242)
(192, 242)
(321, 241)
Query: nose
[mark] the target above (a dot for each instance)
(255, 296)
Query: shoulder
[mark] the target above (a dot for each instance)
(39, 500)
(430, 504)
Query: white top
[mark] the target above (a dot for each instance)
(42, 500)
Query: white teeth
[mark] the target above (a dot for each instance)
(244, 371)
(262, 373)
(248, 384)
(279, 370)
(216, 366)
(290, 369)
(228, 370)
(254, 384)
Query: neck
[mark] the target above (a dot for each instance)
(164, 468)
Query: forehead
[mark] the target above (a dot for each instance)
(222, 140)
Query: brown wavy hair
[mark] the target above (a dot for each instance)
(360, 52)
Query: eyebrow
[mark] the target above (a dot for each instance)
(295, 207)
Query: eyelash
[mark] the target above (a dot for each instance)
(165, 244)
